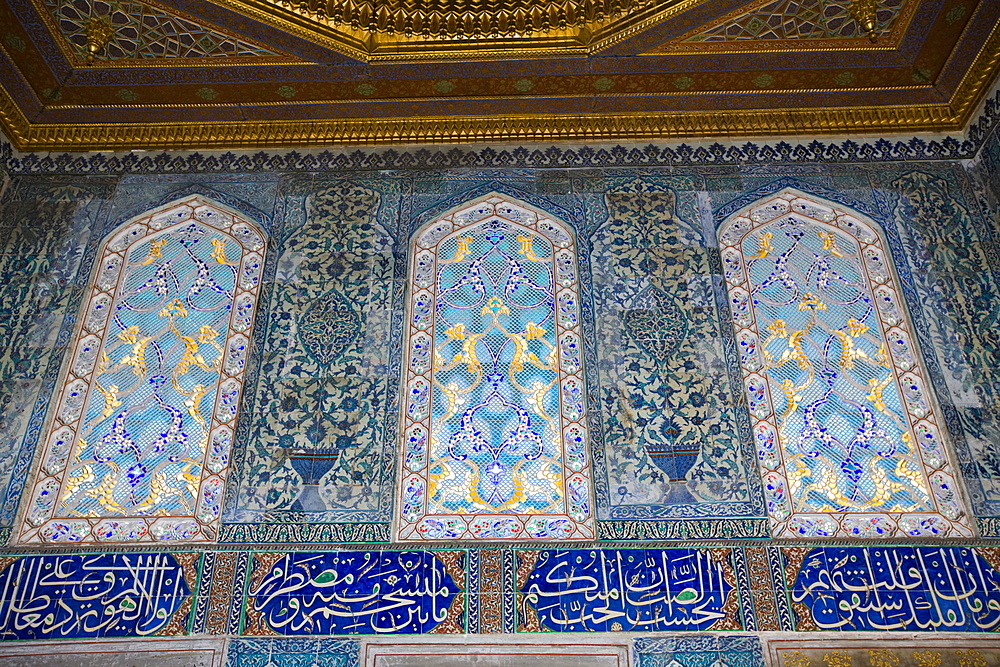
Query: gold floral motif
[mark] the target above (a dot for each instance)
(883, 658)
(219, 251)
(837, 659)
(765, 245)
(461, 249)
(796, 659)
(527, 249)
(971, 658)
(927, 658)
(155, 250)
(830, 243)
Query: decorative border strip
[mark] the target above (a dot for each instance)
(716, 154)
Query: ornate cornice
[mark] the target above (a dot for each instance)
(532, 129)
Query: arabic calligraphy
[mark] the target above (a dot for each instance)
(899, 588)
(353, 592)
(627, 590)
(103, 595)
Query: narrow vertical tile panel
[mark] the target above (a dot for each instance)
(490, 591)
(777, 581)
(472, 593)
(234, 622)
(731, 607)
(455, 566)
(743, 587)
(762, 589)
(527, 617)
(201, 604)
(511, 572)
(180, 623)
(217, 587)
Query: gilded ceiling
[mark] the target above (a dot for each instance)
(111, 74)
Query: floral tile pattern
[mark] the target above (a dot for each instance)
(675, 443)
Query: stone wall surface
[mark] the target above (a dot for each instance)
(683, 570)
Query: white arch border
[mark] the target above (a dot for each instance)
(950, 517)
(39, 520)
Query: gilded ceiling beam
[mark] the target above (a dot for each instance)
(527, 129)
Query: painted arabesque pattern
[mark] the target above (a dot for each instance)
(138, 448)
(847, 437)
(495, 445)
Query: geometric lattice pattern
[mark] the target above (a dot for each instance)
(495, 445)
(798, 19)
(143, 31)
(139, 446)
(847, 438)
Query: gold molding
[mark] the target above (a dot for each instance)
(437, 130)
(948, 117)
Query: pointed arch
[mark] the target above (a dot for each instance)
(493, 429)
(137, 449)
(848, 438)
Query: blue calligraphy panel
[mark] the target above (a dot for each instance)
(102, 595)
(629, 590)
(899, 588)
(354, 592)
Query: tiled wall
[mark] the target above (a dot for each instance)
(310, 553)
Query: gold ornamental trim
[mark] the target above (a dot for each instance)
(680, 125)
(514, 128)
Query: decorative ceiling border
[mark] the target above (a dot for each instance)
(984, 121)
